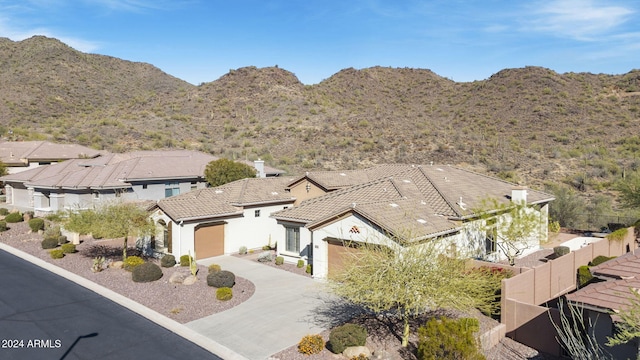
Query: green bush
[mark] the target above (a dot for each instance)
(13, 217)
(146, 272)
(52, 232)
(168, 261)
(224, 294)
(300, 264)
(617, 235)
(214, 268)
(3, 225)
(62, 240)
(184, 260)
(56, 254)
(279, 260)
(444, 338)
(221, 279)
(311, 344)
(584, 276)
(242, 250)
(600, 259)
(36, 224)
(4, 211)
(49, 243)
(68, 248)
(345, 336)
(131, 262)
(308, 271)
(561, 250)
(265, 256)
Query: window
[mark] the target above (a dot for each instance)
(256, 213)
(194, 185)
(491, 237)
(292, 239)
(171, 189)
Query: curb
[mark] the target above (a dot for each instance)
(154, 316)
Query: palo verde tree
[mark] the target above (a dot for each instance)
(409, 281)
(576, 333)
(112, 220)
(222, 171)
(511, 225)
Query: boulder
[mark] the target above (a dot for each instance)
(189, 280)
(116, 265)
(382, 355)
(354, 351)
(177, 277)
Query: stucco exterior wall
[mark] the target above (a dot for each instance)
(299, 191)
(253, 232)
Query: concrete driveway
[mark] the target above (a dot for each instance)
(284, 308)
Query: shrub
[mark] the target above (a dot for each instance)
(221, 279)
(62, 239)
(584, 276)
(168, 261)
(98, 264)
(146, 272)
(308, 271)
(4, 211)
(617, 235)
(561, 250)
(184, 260)
(444, 338)
(36, 224)
(56, 254)
(224, 294)
(52, 232)
(265, 256)
(554, 226)
(49, 243)
(3, 225)
(345, 336)
(13, 217)
(131, 262)
(311, 344)
(600, 259)
(300, 264)
(214, 268)
(68, 248)
(279, 260)
(242, 250)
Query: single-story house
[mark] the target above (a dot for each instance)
(24, 155)
(216, 221)
(407, 206)
(398, 205)
(602, 301)
(82, 183)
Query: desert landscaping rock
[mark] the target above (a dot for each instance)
(190, 280)
(354, 351)
(177, 277)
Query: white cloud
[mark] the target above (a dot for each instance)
(579, 19)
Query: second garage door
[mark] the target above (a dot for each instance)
(209, 241)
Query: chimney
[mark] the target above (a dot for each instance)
(519, 194)
(259, 165)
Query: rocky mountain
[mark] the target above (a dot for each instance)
(529, 125)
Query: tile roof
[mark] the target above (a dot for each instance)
(332, 180)
(228, 199)
(623, 274)
(421, 200)
(116, 170)
(21, 152)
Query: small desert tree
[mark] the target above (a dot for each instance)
(409, 281)
(512, 225)
(112, 220)
(222, 171)
(573, 333)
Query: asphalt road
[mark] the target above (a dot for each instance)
(44, 316)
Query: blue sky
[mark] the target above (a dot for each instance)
(201, 40)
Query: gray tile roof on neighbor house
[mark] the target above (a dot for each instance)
(115, 170)
(421, 200)
(226, 200)
(621, 273)
(333, 180)
(20, 153)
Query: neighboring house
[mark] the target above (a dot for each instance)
(602, 301)
(263, 170)
(408, 206)
(24, 155)
(82, 183)
(217, 221)
(386, 204)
